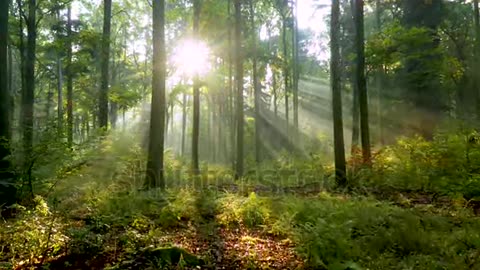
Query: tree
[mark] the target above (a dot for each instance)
(360, 81)
(339, 147)
(59, 70)
(196, 96)
(69, 79)
(28, 92)
(239, 84)
(155, 166)
(296, 73)
(476, 11)
(7, 191)
(105, 57)
(256, 87)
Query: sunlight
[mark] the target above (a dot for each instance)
(191, 57)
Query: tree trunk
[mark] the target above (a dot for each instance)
(29, 91)
(285, 69)
(477, 55)
(295, 66)
(196, 97)
(360, 80)
(103, 101)
(379, 77)
(69, 80)
(184, 122)
(275, 98)
(59, 95)
(7, 192)
(231, 103)
(239, 82)
(355, 119)
(339, 146)
(155, 169)
(256, 88)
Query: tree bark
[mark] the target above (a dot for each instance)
(184, 122)
(256, 88)
(155, 166)
(296, 72)
(103, 101)
(285, 70)
(69, 80)
(7, 192)
(360, 80)
(239, 82)
(29, 91)
(339, 146)
(477, 55)
(196, 97)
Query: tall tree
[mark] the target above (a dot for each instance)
(360, 80)
(105, 56)
(239, 83)
(196, 96)
(59, 84)
(155, 166)
(256, 87)
(284, 15)
(339, 146)
(296, 73)
(7, 190)
(69, 79)
(476, 11)
(29, 77)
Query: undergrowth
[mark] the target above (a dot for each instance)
(99, 213)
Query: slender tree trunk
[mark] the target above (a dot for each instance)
(360, 80)
(155, 169)
(231, 103)
(103, 101)
(295, 66)
(477, 54)
(29, 91)
(11, 91)
(256, 88)
(275, 98)
(196, 97)
(285, 70)
(379, 77)
(355, 119)
(340, 166)
(184, 122)
(69, 80)
(113, 104)
(59, 95)
(239, 82)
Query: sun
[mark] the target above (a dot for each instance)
(191, 58)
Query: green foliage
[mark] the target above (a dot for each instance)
(249, 211)
(35, 234)
(444, 165)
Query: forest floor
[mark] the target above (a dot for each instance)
(95, 215)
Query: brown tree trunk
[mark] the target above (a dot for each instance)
(239, 82)
(256, 88)
(69, 80)
(339, 146)
(155, 166)
(361, 82)
(196, 97)
(103, 100)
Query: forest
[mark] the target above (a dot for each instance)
(240, 134)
